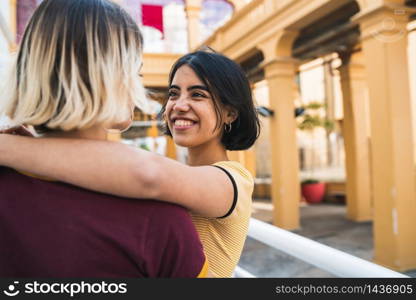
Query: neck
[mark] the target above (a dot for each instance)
(93, 133)
(206, 154)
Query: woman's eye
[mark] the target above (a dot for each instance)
(198, 95)
(172, 94)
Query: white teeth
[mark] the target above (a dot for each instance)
(183, 123)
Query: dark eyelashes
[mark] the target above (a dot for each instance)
(194, 95)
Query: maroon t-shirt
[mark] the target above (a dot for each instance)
(52, 229)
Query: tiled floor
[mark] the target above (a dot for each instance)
(324, 223)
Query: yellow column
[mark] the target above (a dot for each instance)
(152, 131)
(193, 11)
(411, 51)
(250, 161)
(356, 137)
(384, 43)
(329, 90)
(170, 148)
(279, 70)
(280, 76)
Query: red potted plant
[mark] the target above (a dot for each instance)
(313, 191)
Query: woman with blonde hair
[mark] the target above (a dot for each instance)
(209, 110)
(76, 75)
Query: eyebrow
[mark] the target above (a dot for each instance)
(193, 87)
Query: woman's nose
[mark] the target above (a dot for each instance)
(181, 104)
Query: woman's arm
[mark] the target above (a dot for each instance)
(121, 170)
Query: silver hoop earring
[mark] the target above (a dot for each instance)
(227, 127)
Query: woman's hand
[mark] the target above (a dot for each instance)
(8, 147)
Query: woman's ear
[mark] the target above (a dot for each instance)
(231, 114)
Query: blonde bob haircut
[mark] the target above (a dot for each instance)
(77, 66)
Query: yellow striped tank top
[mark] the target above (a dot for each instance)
(223, 238)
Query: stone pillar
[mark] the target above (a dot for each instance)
(384, 43)
(152, 131)
(411, 51)
(170, 148)
(193, 11)
(329, 105)
(356, 136)
(280, 74)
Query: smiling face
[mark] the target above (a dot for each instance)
(190, 111)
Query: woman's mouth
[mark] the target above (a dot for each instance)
(183, 124)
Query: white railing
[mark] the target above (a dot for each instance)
(323, 257)
(241, 273)
(146, 123)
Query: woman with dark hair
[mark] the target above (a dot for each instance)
(209, 110)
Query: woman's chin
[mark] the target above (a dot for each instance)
(183, 142)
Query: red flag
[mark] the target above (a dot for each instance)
(152, 15)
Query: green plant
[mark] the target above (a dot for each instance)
(311, 118)
(144, 147)
(310, 181)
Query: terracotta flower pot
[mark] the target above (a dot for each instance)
(313, 192)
